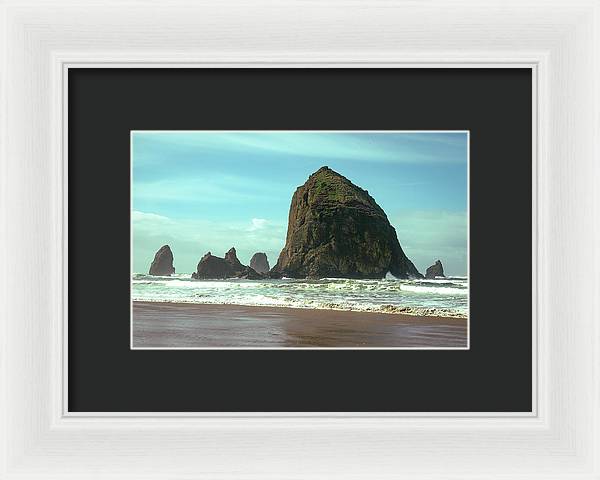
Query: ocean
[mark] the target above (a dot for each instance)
(439, 297)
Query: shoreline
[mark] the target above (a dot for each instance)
(391, 309)
(193, 325)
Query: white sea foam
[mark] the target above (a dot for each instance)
(422, 297)
(438, 290)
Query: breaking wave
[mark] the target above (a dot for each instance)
(445, 297)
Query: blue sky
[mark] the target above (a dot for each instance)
(209, 191)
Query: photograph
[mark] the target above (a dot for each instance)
(299, 239)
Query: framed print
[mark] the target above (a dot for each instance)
(362, 236)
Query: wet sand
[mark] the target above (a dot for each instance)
(180, 325)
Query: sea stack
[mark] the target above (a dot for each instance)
(336, 229)
(260, 263)
(436, 270)
(232, 260)
(250, 274)
(162, 265)
(212, 267)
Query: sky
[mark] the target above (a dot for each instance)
(201, 191)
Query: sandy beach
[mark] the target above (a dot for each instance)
(185, 325)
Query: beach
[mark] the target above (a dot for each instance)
(189, 325)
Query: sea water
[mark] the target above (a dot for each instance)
(441, 296)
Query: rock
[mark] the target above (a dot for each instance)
(260, 263)
(163, 262)
(232, 260)
(336, 229)
(250, 274)
(211, 267)
(436, 270)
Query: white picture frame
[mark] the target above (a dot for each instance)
(558, 40)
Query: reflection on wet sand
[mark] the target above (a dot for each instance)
(172, 325)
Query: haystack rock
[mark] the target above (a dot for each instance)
(436, 270)
(163, 262)
(260, 263)
(211, 267)
(336, 229)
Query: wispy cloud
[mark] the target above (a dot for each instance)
(206, 189)
(139, 218)
(258, 224)
(365, 146)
